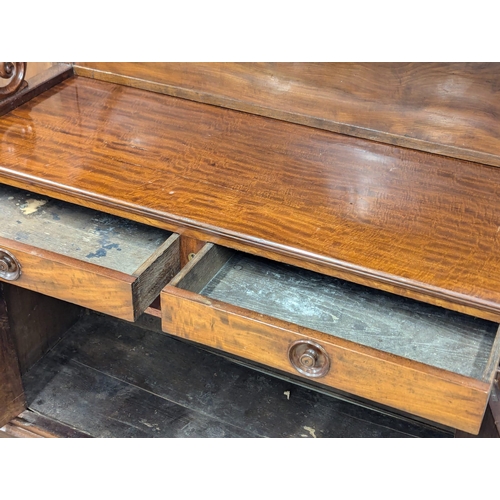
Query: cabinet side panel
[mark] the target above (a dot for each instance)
(12, 400)
(37, 322)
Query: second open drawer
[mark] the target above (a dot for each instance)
(79, 255)
(428, 361)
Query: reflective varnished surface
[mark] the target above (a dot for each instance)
(401, 220)
(446, 108)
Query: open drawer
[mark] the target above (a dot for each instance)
(79, 255)
(415, 357)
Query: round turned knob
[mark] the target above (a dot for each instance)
(309, 358)
(10, 269)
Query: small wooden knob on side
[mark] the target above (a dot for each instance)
(10, 268)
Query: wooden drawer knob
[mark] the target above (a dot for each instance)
(10, 269)
(309, 358)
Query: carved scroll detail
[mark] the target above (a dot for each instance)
(15, 72)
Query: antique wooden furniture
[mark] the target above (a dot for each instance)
(340, 223)
(101, 262)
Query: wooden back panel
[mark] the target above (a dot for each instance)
(445, 108)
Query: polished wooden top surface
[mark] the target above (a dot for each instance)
(401, 220)
(446, 108)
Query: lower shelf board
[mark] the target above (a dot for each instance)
(30, 424)
(109, 378)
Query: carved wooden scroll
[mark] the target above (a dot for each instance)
(15, 73)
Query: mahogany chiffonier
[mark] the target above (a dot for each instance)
(337, 223)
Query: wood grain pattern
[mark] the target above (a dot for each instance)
(37, 84)
(198, 273)
(12, 401)
(16, 431)
(403, 221)
(446, 108)
(78, 232)
(421, 332)
(494, 404)
(488, 428)
(153, 276)
(189, 247)
(251, 300)
(431, 393)
(90, 285)
(35, 68)
(135, 258)
(46, 427)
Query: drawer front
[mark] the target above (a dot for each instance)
(75, 254)
(427, 391)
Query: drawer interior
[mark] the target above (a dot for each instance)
(414, 330)
(82, 256)
(77, 232)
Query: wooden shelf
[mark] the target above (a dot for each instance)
(404, 221)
